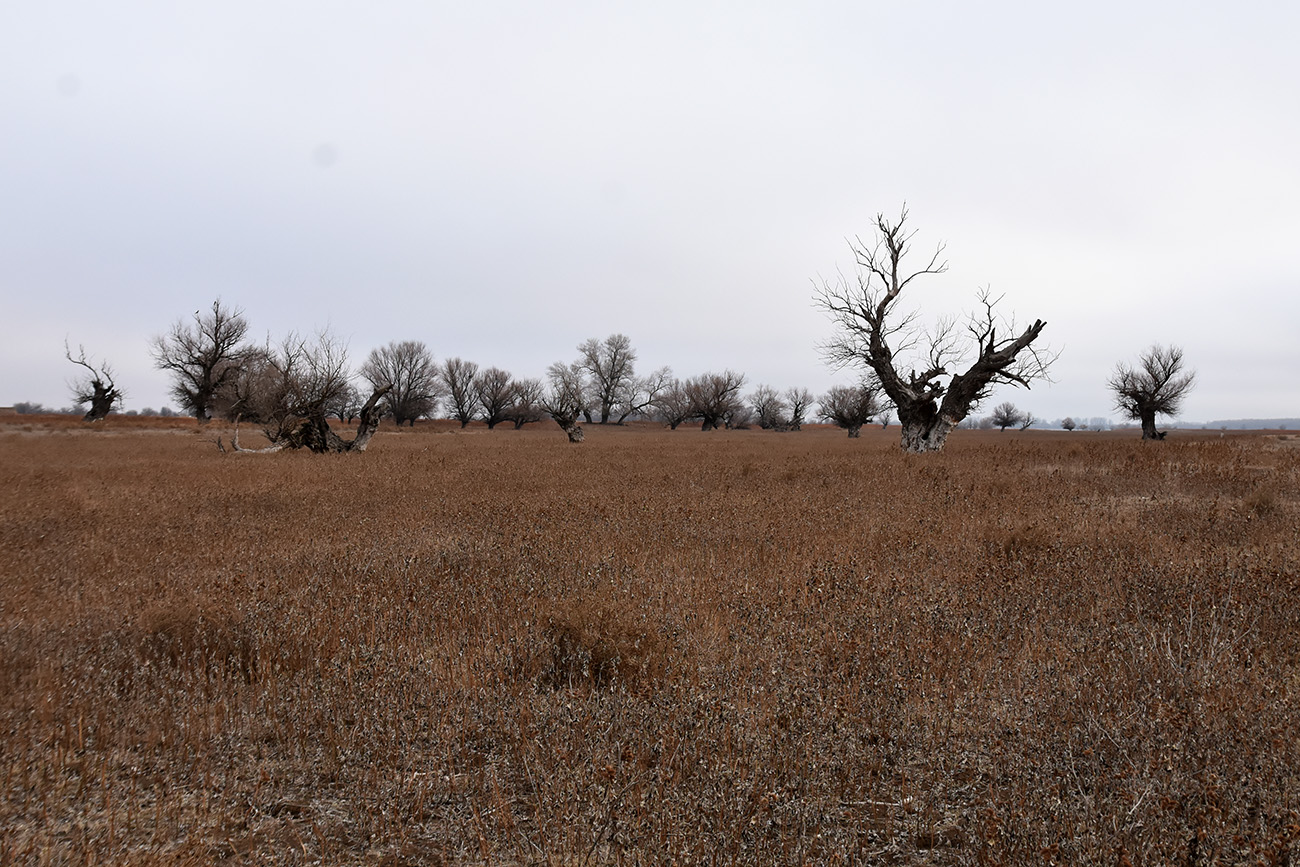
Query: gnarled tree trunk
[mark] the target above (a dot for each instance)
(1149, 432)
(315, 433)
(101, 402)
(925, 427)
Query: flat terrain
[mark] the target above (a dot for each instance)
(474, 647)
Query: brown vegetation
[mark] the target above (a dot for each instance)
(661, 647)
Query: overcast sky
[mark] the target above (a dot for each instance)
(505, 180)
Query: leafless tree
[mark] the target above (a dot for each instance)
(203, 358)
(1028, 420)
(95, 388)
(409, 368)
(494, 391)
(644, 394)
(1068, 423)
(458, 376)
(525, 403)
(885, 418)
(852, 406)
(609, 364)
(715, 397)
(673, 405)
(1005, 415)
(278, 386)
(874, 333)
(799, 401)
(347, 405)
(1157, 386)
(290, 389)
(315, 434)
(565, 397)
(769, 408)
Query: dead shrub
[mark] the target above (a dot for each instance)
(601, 645)
(208, 638)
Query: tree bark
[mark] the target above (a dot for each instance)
(101, 403)
(925, 431)
(855, 431)
(1149, 431)
(314, 431)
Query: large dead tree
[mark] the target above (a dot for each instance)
(291, 389)
(1156, 386)
(313, 431)
(912, 365)
(94, 389)
(203, 358)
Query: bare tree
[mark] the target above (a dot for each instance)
(202, 358)
(458, 376)
(525, 403)
(494, 391)
(1028, 420)
(769, 408)
(1005, 415)
(644, 394)
(799, 401)
(715, 397)
(885, 418)
(565, 398)
(291, 388)
(95, 388)
(873, 333)
(1068, 423)
(852, 406)
(673, 405)
(610, 366)
(314, 432)
(409, 368)
(279, 386)
(1157, 386)
(347, 405)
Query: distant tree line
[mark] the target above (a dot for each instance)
(281, 387)
(292, 387)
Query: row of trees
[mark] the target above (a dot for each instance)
(291, 387)
(299, 382)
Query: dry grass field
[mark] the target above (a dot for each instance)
(653, 648)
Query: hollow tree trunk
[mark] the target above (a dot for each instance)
(925, 428)
(919, 438)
